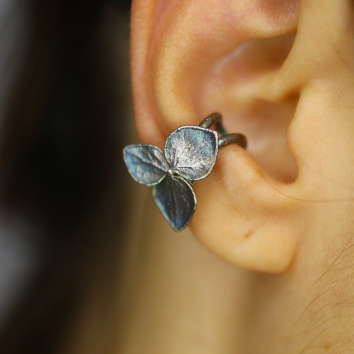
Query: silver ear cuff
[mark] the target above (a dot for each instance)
(190, 155)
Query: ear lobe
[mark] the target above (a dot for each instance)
(246, 217)
(189, 60)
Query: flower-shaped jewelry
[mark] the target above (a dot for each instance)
(190, 155)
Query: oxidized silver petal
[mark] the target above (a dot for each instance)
(146, 163)
(191, 151)
(175, 198)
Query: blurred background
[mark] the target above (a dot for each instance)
(88, 265)
(65, 115)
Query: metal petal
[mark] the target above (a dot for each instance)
(191, 151)
(176, 200)
(146, 163)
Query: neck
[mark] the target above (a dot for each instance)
(191, 301)
(307, 309)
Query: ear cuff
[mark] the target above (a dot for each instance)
(190, 154)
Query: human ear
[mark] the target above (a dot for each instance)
(190, 58)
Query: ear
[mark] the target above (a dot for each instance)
(190, 58)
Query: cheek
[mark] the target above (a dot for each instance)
(321, 136)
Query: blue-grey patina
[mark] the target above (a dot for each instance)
(190, 154)
(175, 198)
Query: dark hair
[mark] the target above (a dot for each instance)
(60, 161)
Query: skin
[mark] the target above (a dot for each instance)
(278, 216)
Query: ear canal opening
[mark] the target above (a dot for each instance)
(241, 84)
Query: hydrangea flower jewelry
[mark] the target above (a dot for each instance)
(190, 155)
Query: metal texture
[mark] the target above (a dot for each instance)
(175, 198)
(190, 155)
(191, 151)
(234, 138)
(214, 119)
(225, 139)
(210, 120)
(146, 163)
